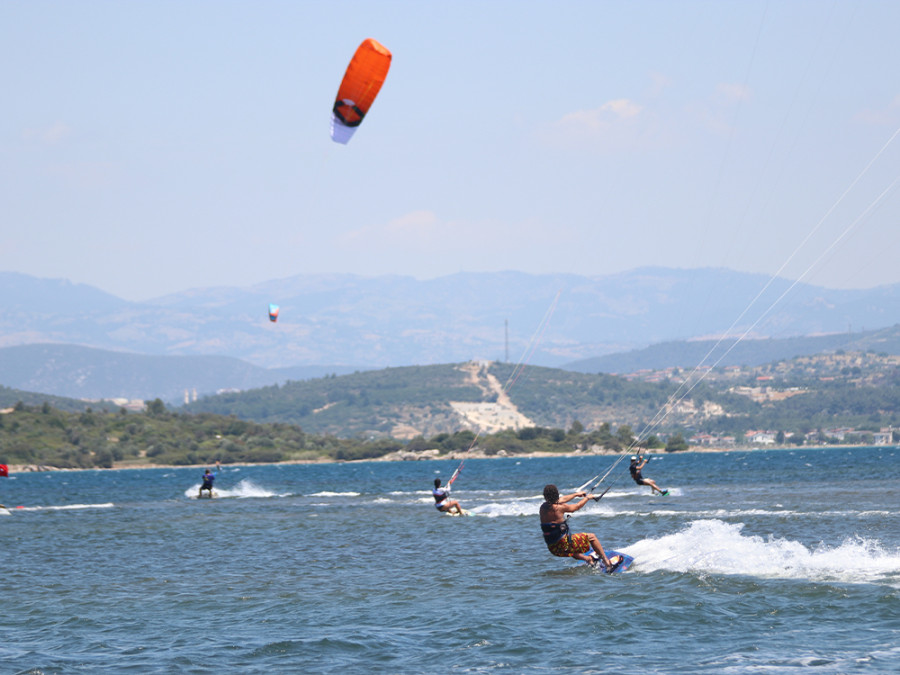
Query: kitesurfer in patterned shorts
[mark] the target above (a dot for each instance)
(559, 540)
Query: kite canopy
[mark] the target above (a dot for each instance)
(366, 73)
(273, 313)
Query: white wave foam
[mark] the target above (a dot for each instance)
(243, 490)
(644, 491)
(716, 547)
(334, 494)
(496, 509)
(66, 507)
(741, 513)
(737, 513)
(247, 488)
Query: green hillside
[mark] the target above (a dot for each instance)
(419, 397)
(360, 404)
(367, 415)
(844, 389)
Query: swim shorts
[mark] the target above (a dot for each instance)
(564, 549)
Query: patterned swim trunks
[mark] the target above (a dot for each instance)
(580, 544)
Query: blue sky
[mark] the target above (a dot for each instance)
(152, 147)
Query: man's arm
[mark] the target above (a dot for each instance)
(570, 508)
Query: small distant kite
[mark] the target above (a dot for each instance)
(273, 313)
(361, 84)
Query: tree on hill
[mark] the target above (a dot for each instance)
(676, 443)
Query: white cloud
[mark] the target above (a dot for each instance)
(622, 108)
(613, 126)
(602, 118)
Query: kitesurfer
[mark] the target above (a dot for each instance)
(638, 463)
(560, 541)
(442, 501)
(208, 478)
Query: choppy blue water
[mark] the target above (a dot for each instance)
(765, 561)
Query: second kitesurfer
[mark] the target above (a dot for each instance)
(638, 463)
(208, 478)
(442, 500)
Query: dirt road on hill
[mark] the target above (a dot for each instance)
(489, 417)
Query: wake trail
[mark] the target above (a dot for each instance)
(715, 547)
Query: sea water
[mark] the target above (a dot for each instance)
(757, 562)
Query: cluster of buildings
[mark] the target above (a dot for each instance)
(767, 437)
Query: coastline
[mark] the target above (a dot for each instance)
(406, 456)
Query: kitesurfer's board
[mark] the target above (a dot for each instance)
(624, 565)
(456, 515)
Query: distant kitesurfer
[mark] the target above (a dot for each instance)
(566, 544)
(638, 463)
(442, 501)
(208, 478)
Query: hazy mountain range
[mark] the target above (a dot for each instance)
(691, 353)
(341, 323)
(87, 373)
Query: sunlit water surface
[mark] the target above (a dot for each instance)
(764, 561)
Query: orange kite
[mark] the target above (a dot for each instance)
(366, 73)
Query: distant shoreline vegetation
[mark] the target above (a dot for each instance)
(43, 436)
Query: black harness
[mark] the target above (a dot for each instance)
(553, 532)
(636, 473)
